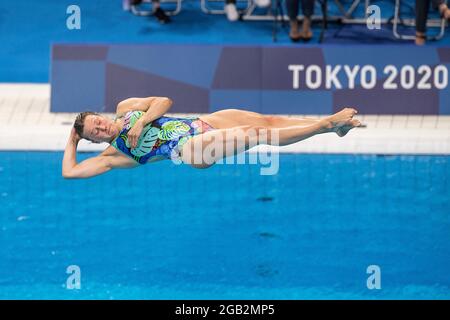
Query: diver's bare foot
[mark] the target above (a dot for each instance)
(342, 131)
(340, 118)
(342, 122)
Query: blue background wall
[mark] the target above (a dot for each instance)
(206, 78)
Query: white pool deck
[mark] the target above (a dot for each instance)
(26, 123)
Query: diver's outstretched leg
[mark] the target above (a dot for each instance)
(205, 149)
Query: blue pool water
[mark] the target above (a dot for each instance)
(164, 231)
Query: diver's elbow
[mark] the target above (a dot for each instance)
(68, 175)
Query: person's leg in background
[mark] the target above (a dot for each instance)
(292, 10)
(422, 8)
(308, 11)
(159, 13)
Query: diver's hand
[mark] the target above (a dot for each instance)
(135, 133)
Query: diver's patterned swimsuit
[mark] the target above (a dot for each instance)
(164, 136)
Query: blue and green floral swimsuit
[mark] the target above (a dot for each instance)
(164, 136)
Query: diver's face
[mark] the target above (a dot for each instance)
(99, 129)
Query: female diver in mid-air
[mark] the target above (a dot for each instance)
(141, 133)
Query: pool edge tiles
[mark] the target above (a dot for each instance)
(29, 125)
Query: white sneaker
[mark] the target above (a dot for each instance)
(231, 11)
(263, 3)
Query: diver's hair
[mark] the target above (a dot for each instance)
(79, 123)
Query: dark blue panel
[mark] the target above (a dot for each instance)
(77, 86)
